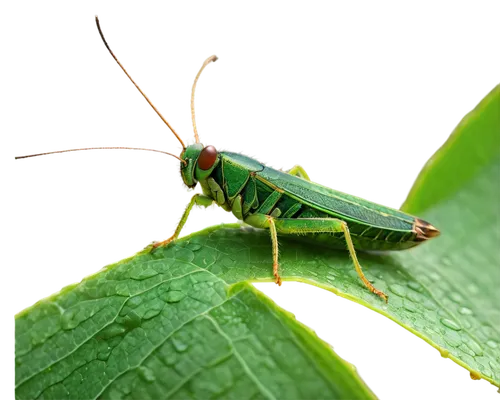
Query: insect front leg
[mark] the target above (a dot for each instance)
(199, 200)
(293, 226)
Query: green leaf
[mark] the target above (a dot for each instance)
(168, 325)
(180, 320)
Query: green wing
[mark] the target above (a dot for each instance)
(332, 202)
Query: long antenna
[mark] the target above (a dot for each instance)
(136, 85)
(193, 117)
(109, 148)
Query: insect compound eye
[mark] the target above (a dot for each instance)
(207, 158)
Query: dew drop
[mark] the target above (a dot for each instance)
(492, 344)
(487, 372)
(140, 273)
(465, 311)
(398, 289)
(453, 339)
(146, 374)
(130, 321)
(475, 347)
(434, 276)
(103, 356)
(173, 296)
(442, 312)
(450, 324)
(68, 320)
(111, 331)
(466, 350)
(487, 330)
(179, 345)
(170, 359)
(269, 362)
(446, 261)
(415, 286)
(456, 297)
(409, 306)
(494, 366)
(429, 304)
(473, 289)
(415, 297)
(122, 289)
(466, 324)
(151, 313)
(194, 246)
(134, 301)
(184, 254)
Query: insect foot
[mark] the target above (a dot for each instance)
(154, 244)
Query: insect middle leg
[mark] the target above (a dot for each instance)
(199, 200)
(309, 225)
(267, 222)
(297, 170)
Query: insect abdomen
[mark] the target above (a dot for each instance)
(364, 237)
(254, 194)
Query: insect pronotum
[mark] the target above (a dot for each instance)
(285, 203)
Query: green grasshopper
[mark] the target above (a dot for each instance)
(286, 203)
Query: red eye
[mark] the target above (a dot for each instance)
(207, 158)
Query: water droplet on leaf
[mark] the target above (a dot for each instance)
(456, 297)
(494, 365)
(194, 246)
(473, 289)
(475, 347)
(434, 276)
(415, 286)
(465, 311)
(409, 306)
(146, 374)
(446, 261)
(151, 313)
(134, 301)
(466, 350)
(170, 359)
(103, 356)
(179, 345)
(398, 289)
(331, 277)
(142, 272)
(450, 324)
(68, 320)
(173, 296)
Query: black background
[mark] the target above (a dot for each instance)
(364, 106)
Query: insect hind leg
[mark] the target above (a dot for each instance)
(300, 226)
